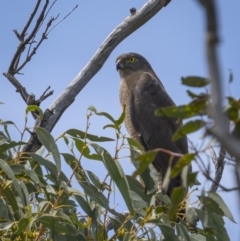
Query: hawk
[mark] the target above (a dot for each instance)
(142, 93)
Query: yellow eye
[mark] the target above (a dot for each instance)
(131, 59)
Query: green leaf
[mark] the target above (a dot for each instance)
(168, 233)
(7, 123)
(149, 175)
(46, 163)
(189, 127)
(95, 225)
(33, 108)
(72, 162)
(95, 194)
(217, 198)
(22, 226)
(4, 210)
(137, 187)
(138, 202)
(182, 162)
(135, 145)
(210, 205)
(55, 224)
(6, 225)
(195, 81)
(182, 232)
(7, 146)
(83, 135)
(120, 120)
(83, 203)
(48, 141)
(84, 149)
(94, 179)
(116, 172)
(8, 171)
(197, 237)
(144, 161)
(192, 179)
(34, 177)
(164, 198)
(191, 215)
(218, 226)
(177, 196)
(12, 200)
(196, 107)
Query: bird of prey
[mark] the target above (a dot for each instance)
(142, 93)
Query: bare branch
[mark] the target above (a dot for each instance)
(28, 98)
(29, 56)
(219, 167)
(18, 86)
(66, 98)
(220, 130)
(61, 20)
(21, 46)
(30, 20)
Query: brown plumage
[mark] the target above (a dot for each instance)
(142, 92)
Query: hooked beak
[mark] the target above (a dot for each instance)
(119, 65)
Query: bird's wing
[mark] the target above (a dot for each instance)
(154, 131)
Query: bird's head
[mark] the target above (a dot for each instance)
(129, 63)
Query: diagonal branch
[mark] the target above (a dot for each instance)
(66, 98)
(220, 130)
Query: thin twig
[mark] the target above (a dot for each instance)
(44, 37)
(30, 20)
(61, 20)
(21, 46)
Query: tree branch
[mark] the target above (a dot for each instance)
(21, 47)
(219, 167)
(30, 20)
(220, 130)
(66, 98)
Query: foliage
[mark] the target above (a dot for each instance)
(39, 202)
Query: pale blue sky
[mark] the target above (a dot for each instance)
(173, 42)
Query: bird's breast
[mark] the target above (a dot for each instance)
(125, 92)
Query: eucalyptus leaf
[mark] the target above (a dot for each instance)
(83, 135)
(195, 81)
(187, 128)
(48, 141)
(116, 172)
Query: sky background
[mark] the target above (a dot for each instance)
(172, 41)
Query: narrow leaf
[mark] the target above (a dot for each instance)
(144, 161)
(48, 141)
(195, 81)
(182, 162)
(217, 198)
(32, 108)
(8, 171)
(95, 194)
(168, 233)
(7, 146)
(55, 224)
(187, 128)
(116, 172)
(83, 135)
(176, 197)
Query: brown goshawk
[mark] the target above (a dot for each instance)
(142, 92)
